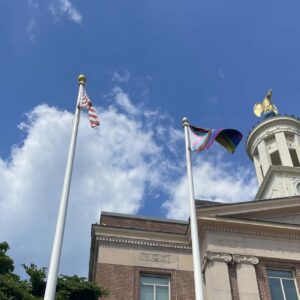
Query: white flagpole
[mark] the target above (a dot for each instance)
(61, 219)
(193, 218)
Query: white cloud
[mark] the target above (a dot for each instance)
(213, 180)
(120, 77)
(65, 7)
(32, 28)
(33, 4)
(114, 167)
(124, 102)
(221, 74)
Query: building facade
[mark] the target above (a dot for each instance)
(127, 250)
(250, 250)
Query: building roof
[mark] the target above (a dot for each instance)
(128, 221)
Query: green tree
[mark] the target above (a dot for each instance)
(37, 279)
(6, 263)
(11, 286)
(68, 287)
(77, 288)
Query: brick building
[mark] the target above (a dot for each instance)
(250, 250)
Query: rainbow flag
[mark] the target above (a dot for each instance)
(201, 139)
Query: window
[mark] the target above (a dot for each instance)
(275, 158)
(294, 158)
(154, 288)
(282, 285)
(298, 187)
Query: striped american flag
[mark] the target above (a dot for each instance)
(87, 104)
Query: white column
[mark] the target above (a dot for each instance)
(217, 276)
(283, 149)
(264, 156)
(246, 277)
(259, 174)
(297, 145)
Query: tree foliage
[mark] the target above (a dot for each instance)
(6, 263)
(76, 288)
(13, 288)
(37, 279)
(68, 287)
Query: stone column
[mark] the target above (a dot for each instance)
(246, 277)
(217, 276)
(297, 145)
(264, 156)
(283, 149)
(258, 170)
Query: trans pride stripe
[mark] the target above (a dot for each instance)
(201, 139)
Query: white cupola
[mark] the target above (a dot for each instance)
(274, 147)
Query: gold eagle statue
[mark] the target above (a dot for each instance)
(266, 107)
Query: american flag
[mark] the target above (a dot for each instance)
(86, 103)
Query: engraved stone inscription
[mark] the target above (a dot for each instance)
(154, 257)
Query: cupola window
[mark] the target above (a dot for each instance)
(294, 158)
(275, 158)
(298, 188)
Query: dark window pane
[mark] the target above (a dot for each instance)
(281, 274)
(147, 292)
(162, 293)
(155, 280)
(275, 158)
(294, 157)
(276, 290)
(290, 289)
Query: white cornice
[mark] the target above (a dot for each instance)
(139, 233)
(278, 215)
(253, 232)
(292, 122)
(251, 227)
(262, 206)
(138, 242)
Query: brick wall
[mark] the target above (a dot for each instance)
(262, 280)
(119, 280)
(123, 281)
(143, 224)
(184, 285)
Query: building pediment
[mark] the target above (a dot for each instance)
(271, 211)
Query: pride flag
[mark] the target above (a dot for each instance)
(201, 139)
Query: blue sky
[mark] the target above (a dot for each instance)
(148, 64)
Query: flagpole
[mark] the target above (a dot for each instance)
(193, 218)
(61, 219)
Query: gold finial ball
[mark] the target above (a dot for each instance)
(81, 79)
